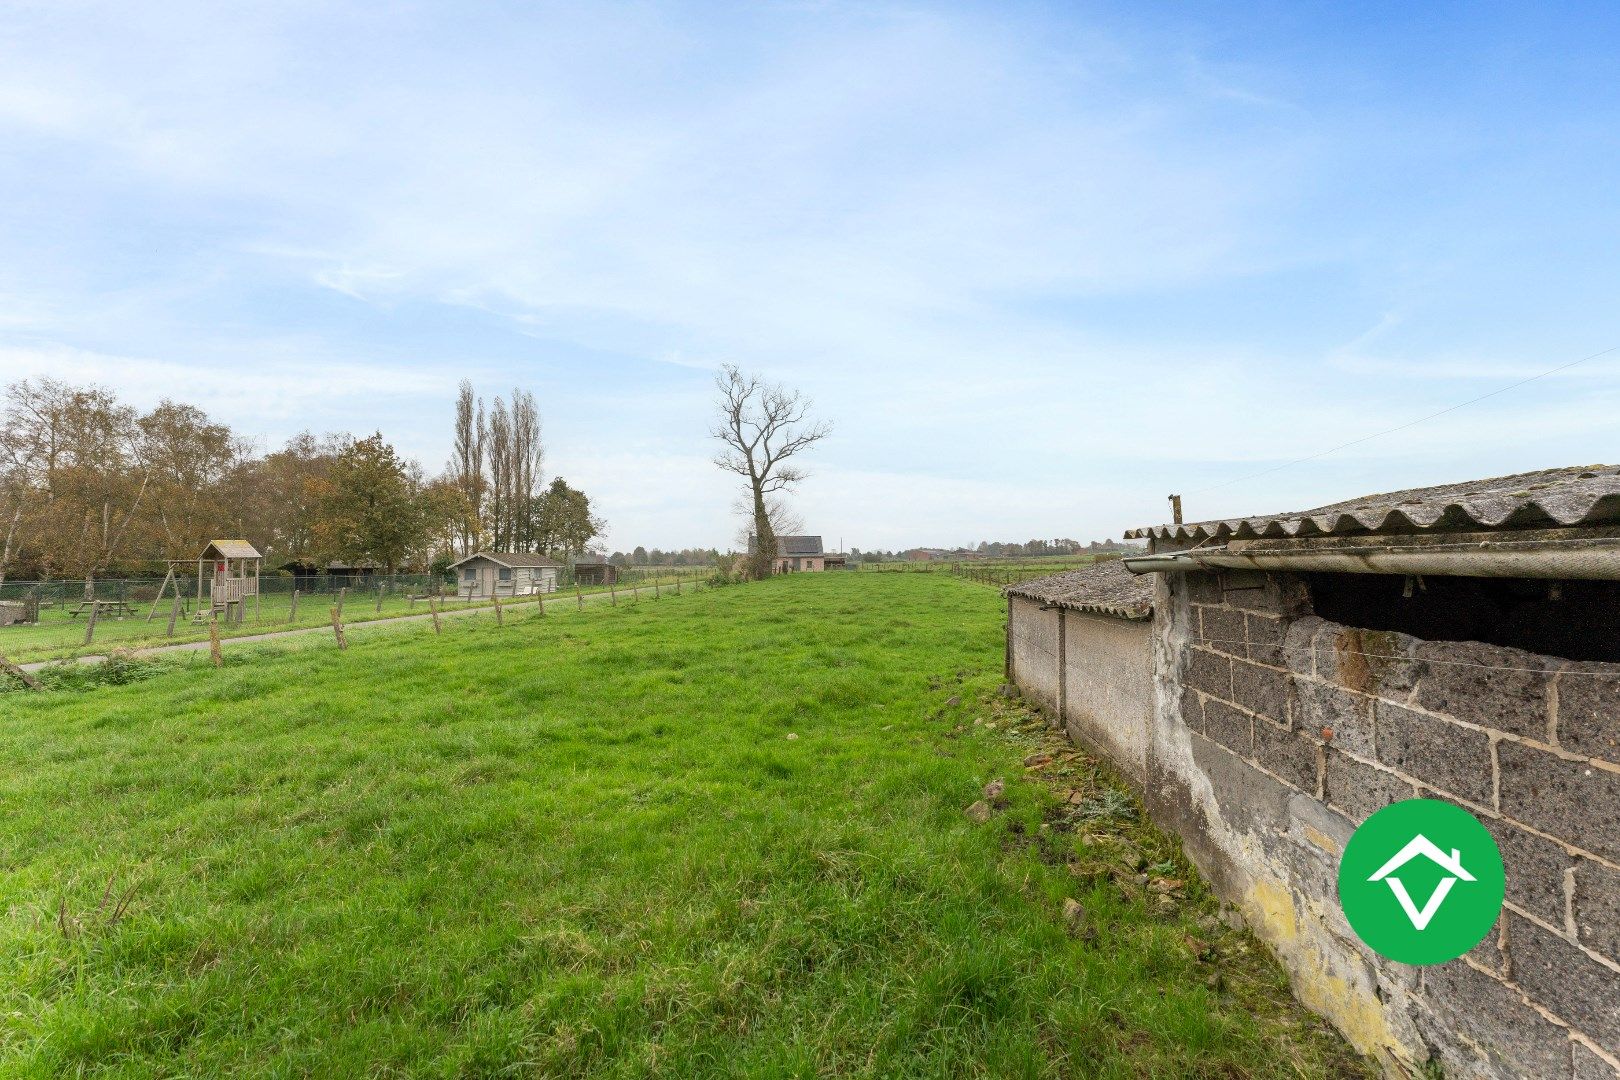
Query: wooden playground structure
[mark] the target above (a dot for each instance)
(227, 577)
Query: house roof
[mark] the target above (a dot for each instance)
(1106, 588)
(509, 559)
(1577, 495)
(791, 545)
(231, 549)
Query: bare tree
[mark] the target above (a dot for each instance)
(762, 426)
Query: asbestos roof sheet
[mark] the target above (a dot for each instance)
(1106, 588)
(1577, 495)
(509, 558)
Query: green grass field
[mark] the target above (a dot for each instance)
(58, 636)
(588, 846)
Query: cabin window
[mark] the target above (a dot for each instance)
(469, 574)
(506, 575)
(1576, 620)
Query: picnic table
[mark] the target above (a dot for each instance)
(120, 608)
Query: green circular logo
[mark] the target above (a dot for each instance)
(1421, 882)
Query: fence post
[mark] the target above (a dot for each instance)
(90, 624)
(213, 640)
(655, 586)
(27, 679)
(343, 592)
(379, 597)
(337, 628)
(499, 621)
(292, 615)
(613, 592)
(174, 612)
(579, 597)
(433, 608)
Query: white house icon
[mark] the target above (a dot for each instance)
(1452, 864)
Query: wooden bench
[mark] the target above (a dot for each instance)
(120, 608)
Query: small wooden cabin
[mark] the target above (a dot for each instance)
(594, 570)
(230, 570)
(486, 574)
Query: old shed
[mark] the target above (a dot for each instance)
(484, 575)
(1460, 643)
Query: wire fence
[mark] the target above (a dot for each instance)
(61, 618)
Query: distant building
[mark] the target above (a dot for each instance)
(487, 574)
(796, 554)
(595, 570)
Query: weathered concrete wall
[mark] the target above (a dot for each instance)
(1090, 670)
(1034, 642)
(1275, 733)
(1108, 687)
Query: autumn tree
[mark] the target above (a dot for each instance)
(761, 427)
(565, 523)
(366, 507)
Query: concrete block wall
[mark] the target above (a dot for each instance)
(1089, 670)
(1033, 641)
(1276, 733)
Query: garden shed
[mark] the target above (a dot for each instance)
(594, 570)
(488, 574)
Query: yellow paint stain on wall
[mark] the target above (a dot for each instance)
(1357, 1013)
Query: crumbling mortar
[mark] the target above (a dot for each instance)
(1612, 1060)
(1569, 904)
(1428, 786)
(1496, 775)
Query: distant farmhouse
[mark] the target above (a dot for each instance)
(800, 553)
(486, 574)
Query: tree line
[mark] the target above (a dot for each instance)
(91, 487)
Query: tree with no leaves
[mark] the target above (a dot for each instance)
(761, 426)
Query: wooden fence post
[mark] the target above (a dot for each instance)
(499, 621)
(343, 592)
(292, 616)
(579, 597)
(90, 624)
(655, 587)
(613, 593)
(433, 607)
(379, 598)
(27, 679)
(174, 613)
(337, 628)
(213, 640)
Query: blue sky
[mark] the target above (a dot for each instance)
(1040, 264)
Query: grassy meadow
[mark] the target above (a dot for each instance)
(720, 834)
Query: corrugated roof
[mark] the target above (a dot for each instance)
(509, 558)
(1577, 495)
(232, 549)
(1106, 588)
